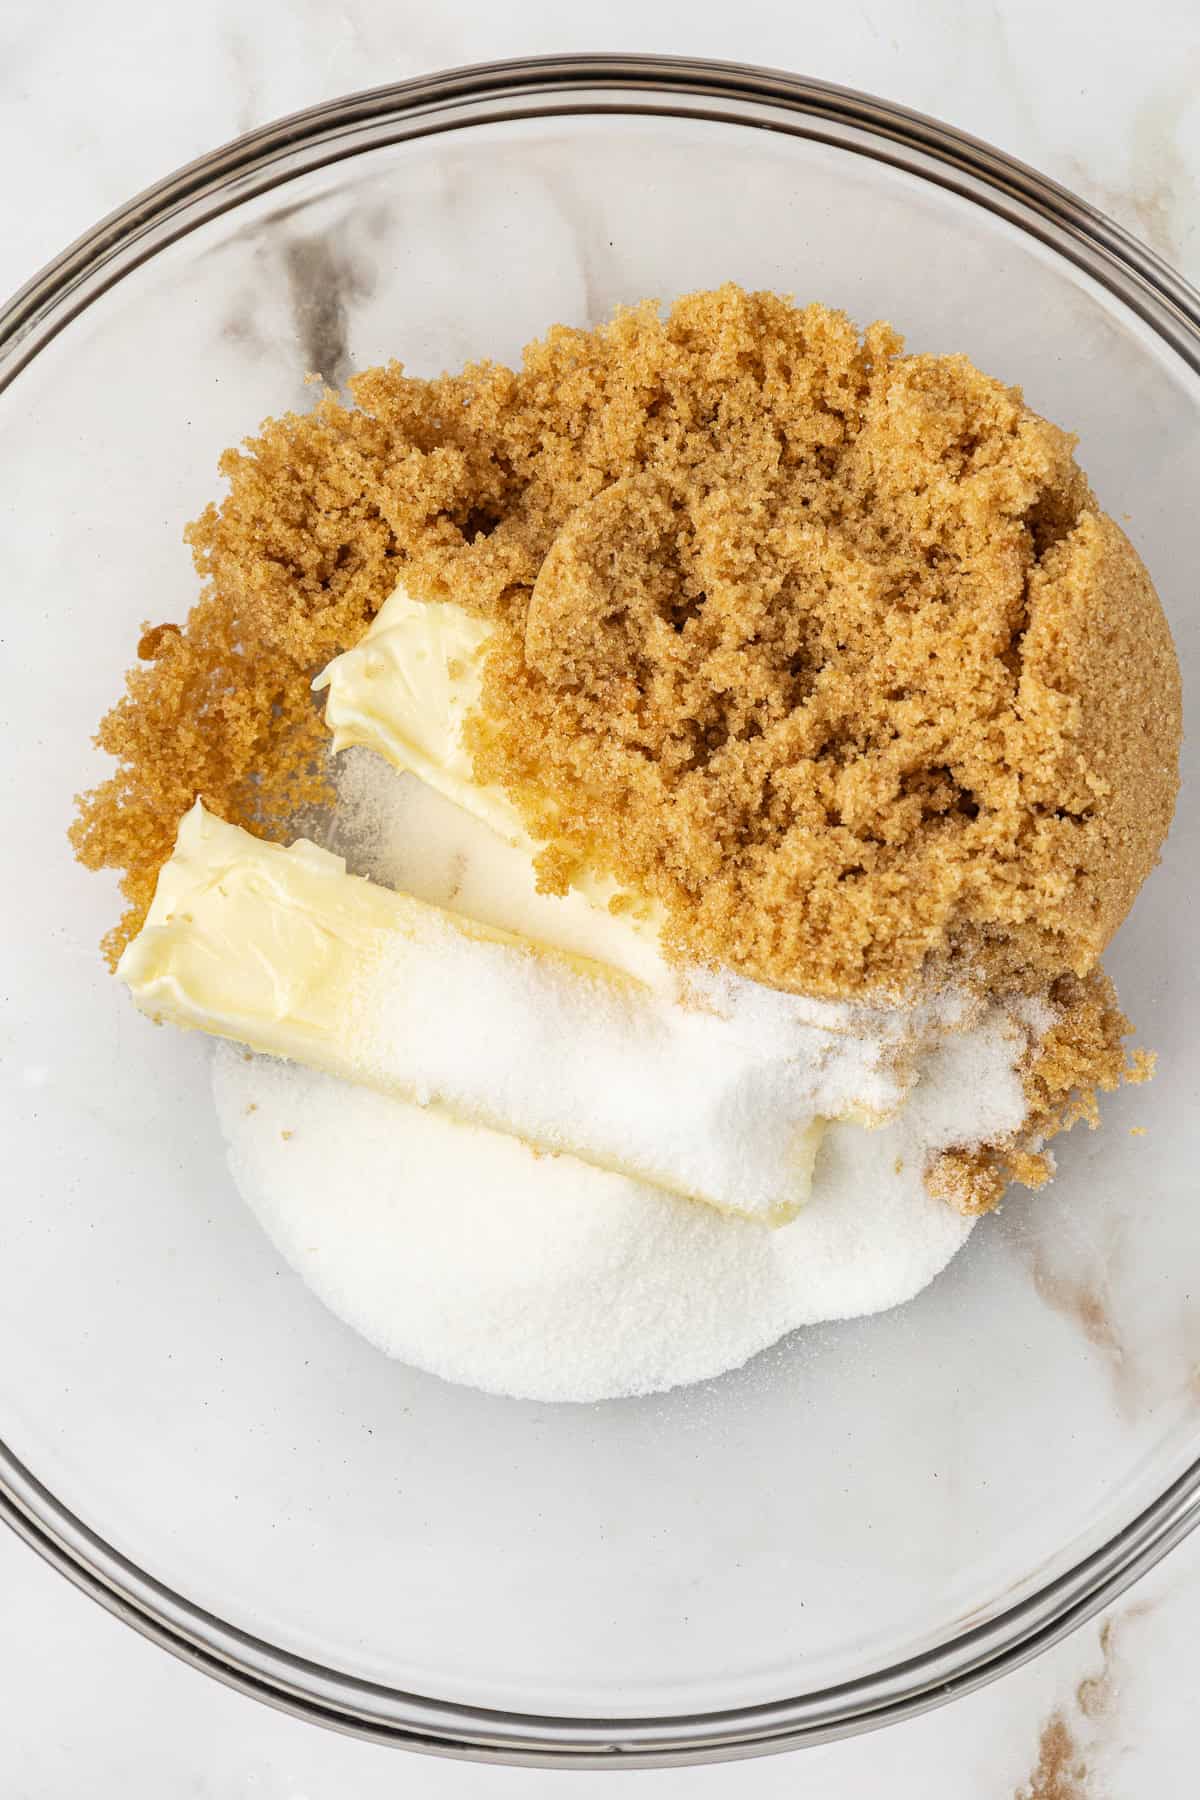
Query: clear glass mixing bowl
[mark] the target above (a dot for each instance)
(866, 1520)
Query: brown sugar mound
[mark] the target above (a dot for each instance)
(828, 649)
(866, 680)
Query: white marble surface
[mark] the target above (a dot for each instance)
(97, 102)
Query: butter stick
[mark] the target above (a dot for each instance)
(277, 947)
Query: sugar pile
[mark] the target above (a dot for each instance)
(462, 1251)
(465, 1253)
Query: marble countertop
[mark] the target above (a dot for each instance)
(100, 101)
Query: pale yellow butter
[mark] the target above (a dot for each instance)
(406, 689)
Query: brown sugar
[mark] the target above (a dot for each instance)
(827, 648)
(883, 690)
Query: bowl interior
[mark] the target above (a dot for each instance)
(859, 1495)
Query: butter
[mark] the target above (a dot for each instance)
(406, 690)
(278, 948)
(260, 942)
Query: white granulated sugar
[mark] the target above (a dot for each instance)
(461, 1251)
(466, 1253)
(620, 1075)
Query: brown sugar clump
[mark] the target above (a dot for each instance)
(828, 649)
(297, 561)
(1081, 1055)
(203, 714)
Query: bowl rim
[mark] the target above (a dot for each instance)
(454, 100)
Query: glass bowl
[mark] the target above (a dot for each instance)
(861, 1523)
